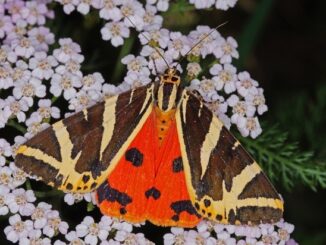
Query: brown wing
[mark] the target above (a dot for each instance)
(224, 182)
(77, 153)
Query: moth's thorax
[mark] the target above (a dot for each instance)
(166, 101)
(167, 92)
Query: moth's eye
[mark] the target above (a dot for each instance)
(177, 72)
(165, 77)
(174, 79)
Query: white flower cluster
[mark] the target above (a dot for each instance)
(120, 15)
(210, 234)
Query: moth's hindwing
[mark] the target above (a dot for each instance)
(77, 153)
(224, 182)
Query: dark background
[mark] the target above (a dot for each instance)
(283, 46)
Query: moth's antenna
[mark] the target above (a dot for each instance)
(202, 39)
(156, 49)
(154, 66)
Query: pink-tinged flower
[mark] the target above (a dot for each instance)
(54, 224)
(71, 67)
(28, 90)
(4, 191)
(193, 70)
(5, 151)
(68, 5)
(134, 10)
(162, 5)
(21, 201)
(68, 51)
(72, 198)
(108, 9)
(150, 19)
(226, 50)
(207, 43)
(6, 25)
(7, 54)
(34, 13)
(35, 240)
(21, 74)
(225, 77)
(73, 238)
(19, 31)
(178, 46)
(23, 47)
(83, 99)
(12, 107)
(34, 125)
(177, 236)
(240, 110)
(5, 176)
(83, 6)
(39, 215)
(135, 80)
(246, 84)
(18, 229)
(18, 175)
(92, 82)
(284, 231)
(65, 84)
(42, 65)
(47, 111)
(130, 238)
(291, 242)
(258, 100)
(225, 4)
(136, 64)
(6, 80)
(206, 88)
(251, 127)
(41, 38)
(202, 4)
(109, 90)
(93, 231)
(161, 37)
(115, 31)
(14, 9)
(194, 237)
(18, 141)
(156, 62)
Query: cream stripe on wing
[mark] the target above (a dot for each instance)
(109, 110)
(209, 144)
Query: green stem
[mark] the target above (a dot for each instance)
(17, 126)
(119, 67)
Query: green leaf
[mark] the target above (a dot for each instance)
(284, 162)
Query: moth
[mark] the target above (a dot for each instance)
(154, 153)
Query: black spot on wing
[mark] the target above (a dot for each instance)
(105, 192)
(153, 192)
(207, 203)
(177, 165)
(183, 206)
(134, 156)
(85, 178)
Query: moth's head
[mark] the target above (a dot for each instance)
(171, 75)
